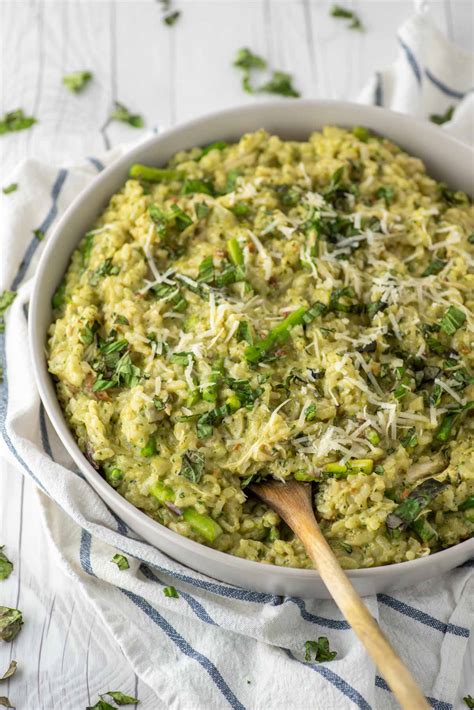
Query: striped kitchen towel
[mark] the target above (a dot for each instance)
(217, 645)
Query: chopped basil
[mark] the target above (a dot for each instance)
(121, 113)
(320, 650)
(11, 621)
(124, 374)
(452, 320)
(467, 503)
(343, 13)
(10, 188)
(76, 81)
(247, 60)
(172, 18)
(6, 567)
(206, 422)
(15, 121)
(202, 210)
(469, 701)
(386, 193)
(121, 698)
(310, 412)
(244, 332)
(445, 429)
(191, 186)
(101, 705)
(11, 670)
(280, 83)
(434, 267)
(39, 234)
(440, 118)
(218, 145)
(375, 307)
(170, 592)
(192, 466)
(121, 561)
(106, 268)
(181, 358)
(410, 439)
(346, 547)
(470, 238)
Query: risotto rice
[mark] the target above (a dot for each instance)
(279, 309)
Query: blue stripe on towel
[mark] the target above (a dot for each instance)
(422, 617)
(98, 165)
(44, 432)
(44, 226)
(444, 88)
(337, 624)
(85, 552)
(411, 59)
(436, 704)
(196, 606)
(185, 647)
(335, 680)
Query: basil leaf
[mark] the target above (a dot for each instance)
(76, 81)
(343, 13)
(121, 698)
(172, 18)
(192, 466)
(121, 113)
(11, 621)
(201, 209)
(6, 567)
(386, 193)
(39, 234)
(281, 84)
(320, 649)
(11, 670)
(171, 592)
(440, 118)
(121, 561)
(10, 188)
(101, 705)
(452, 320)
(15, 121)
(434, 267)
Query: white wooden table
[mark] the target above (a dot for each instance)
(169, 75)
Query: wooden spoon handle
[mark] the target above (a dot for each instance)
(349, 602)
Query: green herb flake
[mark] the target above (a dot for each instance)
(452, 320)
(319, 650)
(440, 118)
(11, 621)
(101, 705)
(410, 439)
(202, 210)
(434, 267)
(244, 332)
(6, 299)
(280, 83)
(342, 13)
(11, 670)
(39, 234)
(4, 702)
(77, 81)
(310, 412)
(121, 113)
(15, 121)
(150, 448)
(469, 700)
(121, 561)
(385, 193)
(172, 18)
(171, 592)
(10, 188)
(217, 145)
(246, 60)
(121, 698)
(59, 296)
(410, 508)
(192, 466)
(6, 567)
(467, 503)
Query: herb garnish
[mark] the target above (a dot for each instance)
(170, 592)
(107, 268)
(279, 83)
(172, 18)
(320, 649)
(117, 696)
(452, 320)
(6, 567)
(11, 621)
(192, 466)
(341, 12)
(434, 267)
(15, 121)
(6, 299)
(76, 81)
(441, 118)
(39, 234)
(121, 113)
(11, 670)
(10, 188)
(469, 700)
(121, 561)
(386, 193)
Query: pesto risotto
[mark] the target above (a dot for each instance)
(285, 310)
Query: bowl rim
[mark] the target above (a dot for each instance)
(36, 338)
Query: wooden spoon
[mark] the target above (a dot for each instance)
(292, 501)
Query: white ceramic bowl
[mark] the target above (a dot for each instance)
(445, 158)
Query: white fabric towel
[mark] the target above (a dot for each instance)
(217, 645)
